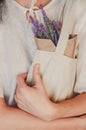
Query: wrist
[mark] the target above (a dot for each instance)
(51, 112)
(56, 111)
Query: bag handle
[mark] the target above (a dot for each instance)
(67, 26)
(62, 10)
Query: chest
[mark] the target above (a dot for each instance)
(18, 48)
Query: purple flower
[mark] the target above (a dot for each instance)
(50, 30)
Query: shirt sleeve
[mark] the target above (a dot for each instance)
(1, 63)
(80, 28)
(1, 81)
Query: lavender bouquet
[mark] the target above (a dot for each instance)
(49, 30)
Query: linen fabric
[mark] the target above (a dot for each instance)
(58, 71)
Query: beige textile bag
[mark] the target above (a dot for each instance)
(58, 70)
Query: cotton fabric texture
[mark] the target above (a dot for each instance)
(17, 44)
(58, 71)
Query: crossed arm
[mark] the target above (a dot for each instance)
(36, 102)
(15, 119)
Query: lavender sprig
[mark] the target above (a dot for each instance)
(38, 29)
(48, 23)
(50, 29)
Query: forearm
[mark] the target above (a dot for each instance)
(13, 119)
(16, 119)
(72, 107)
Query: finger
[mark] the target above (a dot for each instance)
(21, 80)
(19, 102)
(16, 99)
(37, 76)
(20, 92)
(17, 92)
(24, 75)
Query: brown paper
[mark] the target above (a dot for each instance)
(48, 45)
(45, 44)
(71, 47)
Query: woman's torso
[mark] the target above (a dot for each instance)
(17, 46)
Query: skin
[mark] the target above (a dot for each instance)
(15, 119)
(43, 2)
(33, 99)
(27, 3)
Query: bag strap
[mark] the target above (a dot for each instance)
(67, 26)
(61, 12)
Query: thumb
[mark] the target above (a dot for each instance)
(37, 76)
(24, 75)
(21, 79)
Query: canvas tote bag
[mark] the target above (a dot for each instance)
(58, 70)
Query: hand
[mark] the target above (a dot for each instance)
(34, 100)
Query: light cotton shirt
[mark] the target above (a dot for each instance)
(17, 45)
